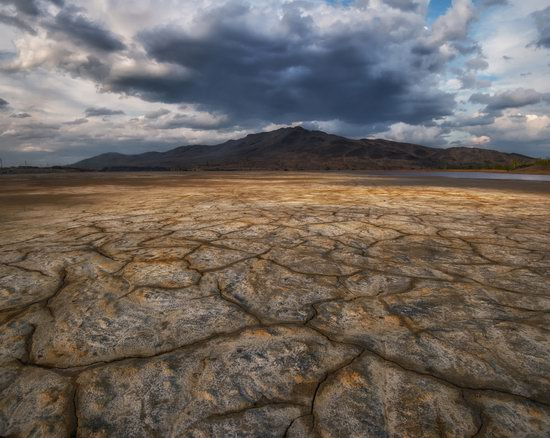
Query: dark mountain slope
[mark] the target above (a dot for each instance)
(298, 148)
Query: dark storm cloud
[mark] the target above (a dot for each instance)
(73, 23)
(41, 126)
(76, 122)
(517, 98)
(494, 2)
(462, 122)
(295, 76)
(405, 5)
(477, 63)
(167, 87)
(15, 21)
(20, 115)
(90, 68)
(194, 122)
(469, 80)
(29, 7)
(542, 20)
(156, 114)
(359, 74)
(101, 111)
(31, 132)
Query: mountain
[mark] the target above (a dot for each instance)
(300, 149)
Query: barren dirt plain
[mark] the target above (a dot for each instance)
(273, 304)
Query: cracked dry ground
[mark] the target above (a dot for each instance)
(293, 305)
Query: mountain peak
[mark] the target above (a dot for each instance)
(295, 147)
(289, 128)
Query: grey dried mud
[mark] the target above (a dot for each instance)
(271, 305)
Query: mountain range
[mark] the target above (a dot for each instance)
(297, 148)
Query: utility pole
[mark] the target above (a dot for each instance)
(1, 164)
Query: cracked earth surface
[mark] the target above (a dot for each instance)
(297, 305)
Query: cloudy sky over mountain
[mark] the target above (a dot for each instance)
(82, 77)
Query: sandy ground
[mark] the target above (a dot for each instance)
(273, 304)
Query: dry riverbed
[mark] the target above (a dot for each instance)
(274, 304)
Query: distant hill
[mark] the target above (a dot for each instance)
(300, 149)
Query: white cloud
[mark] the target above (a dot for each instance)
(454, 24)
(428, 135)
(32, 148)
(479, 140)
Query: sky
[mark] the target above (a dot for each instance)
(83, 77)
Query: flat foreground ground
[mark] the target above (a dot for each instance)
(275, 304)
